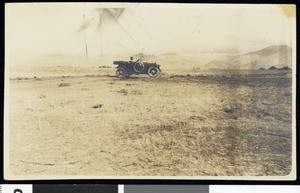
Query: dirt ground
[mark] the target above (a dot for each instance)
(217, 124)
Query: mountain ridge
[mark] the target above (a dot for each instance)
(274, 55)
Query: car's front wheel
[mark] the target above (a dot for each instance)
(153, 72)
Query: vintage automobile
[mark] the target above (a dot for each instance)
(125, 69)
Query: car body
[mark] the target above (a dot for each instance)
(125, 69)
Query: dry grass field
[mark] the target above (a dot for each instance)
(222, 123)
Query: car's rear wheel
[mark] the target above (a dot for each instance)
(121, 72)
(153, 72)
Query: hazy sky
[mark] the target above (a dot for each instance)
(45, 28)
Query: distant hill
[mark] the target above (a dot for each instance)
(52, 60)
(276, 55)
(144, 56)
(279, 56)
(169, 60)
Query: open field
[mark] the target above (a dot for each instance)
(221, 123)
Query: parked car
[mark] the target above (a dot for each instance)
(125, 69)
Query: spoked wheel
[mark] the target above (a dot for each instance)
(138, 67)
(121, 73)
(153, 72)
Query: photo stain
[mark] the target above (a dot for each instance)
(289, 10)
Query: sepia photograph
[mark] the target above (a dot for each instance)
(150, 91)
